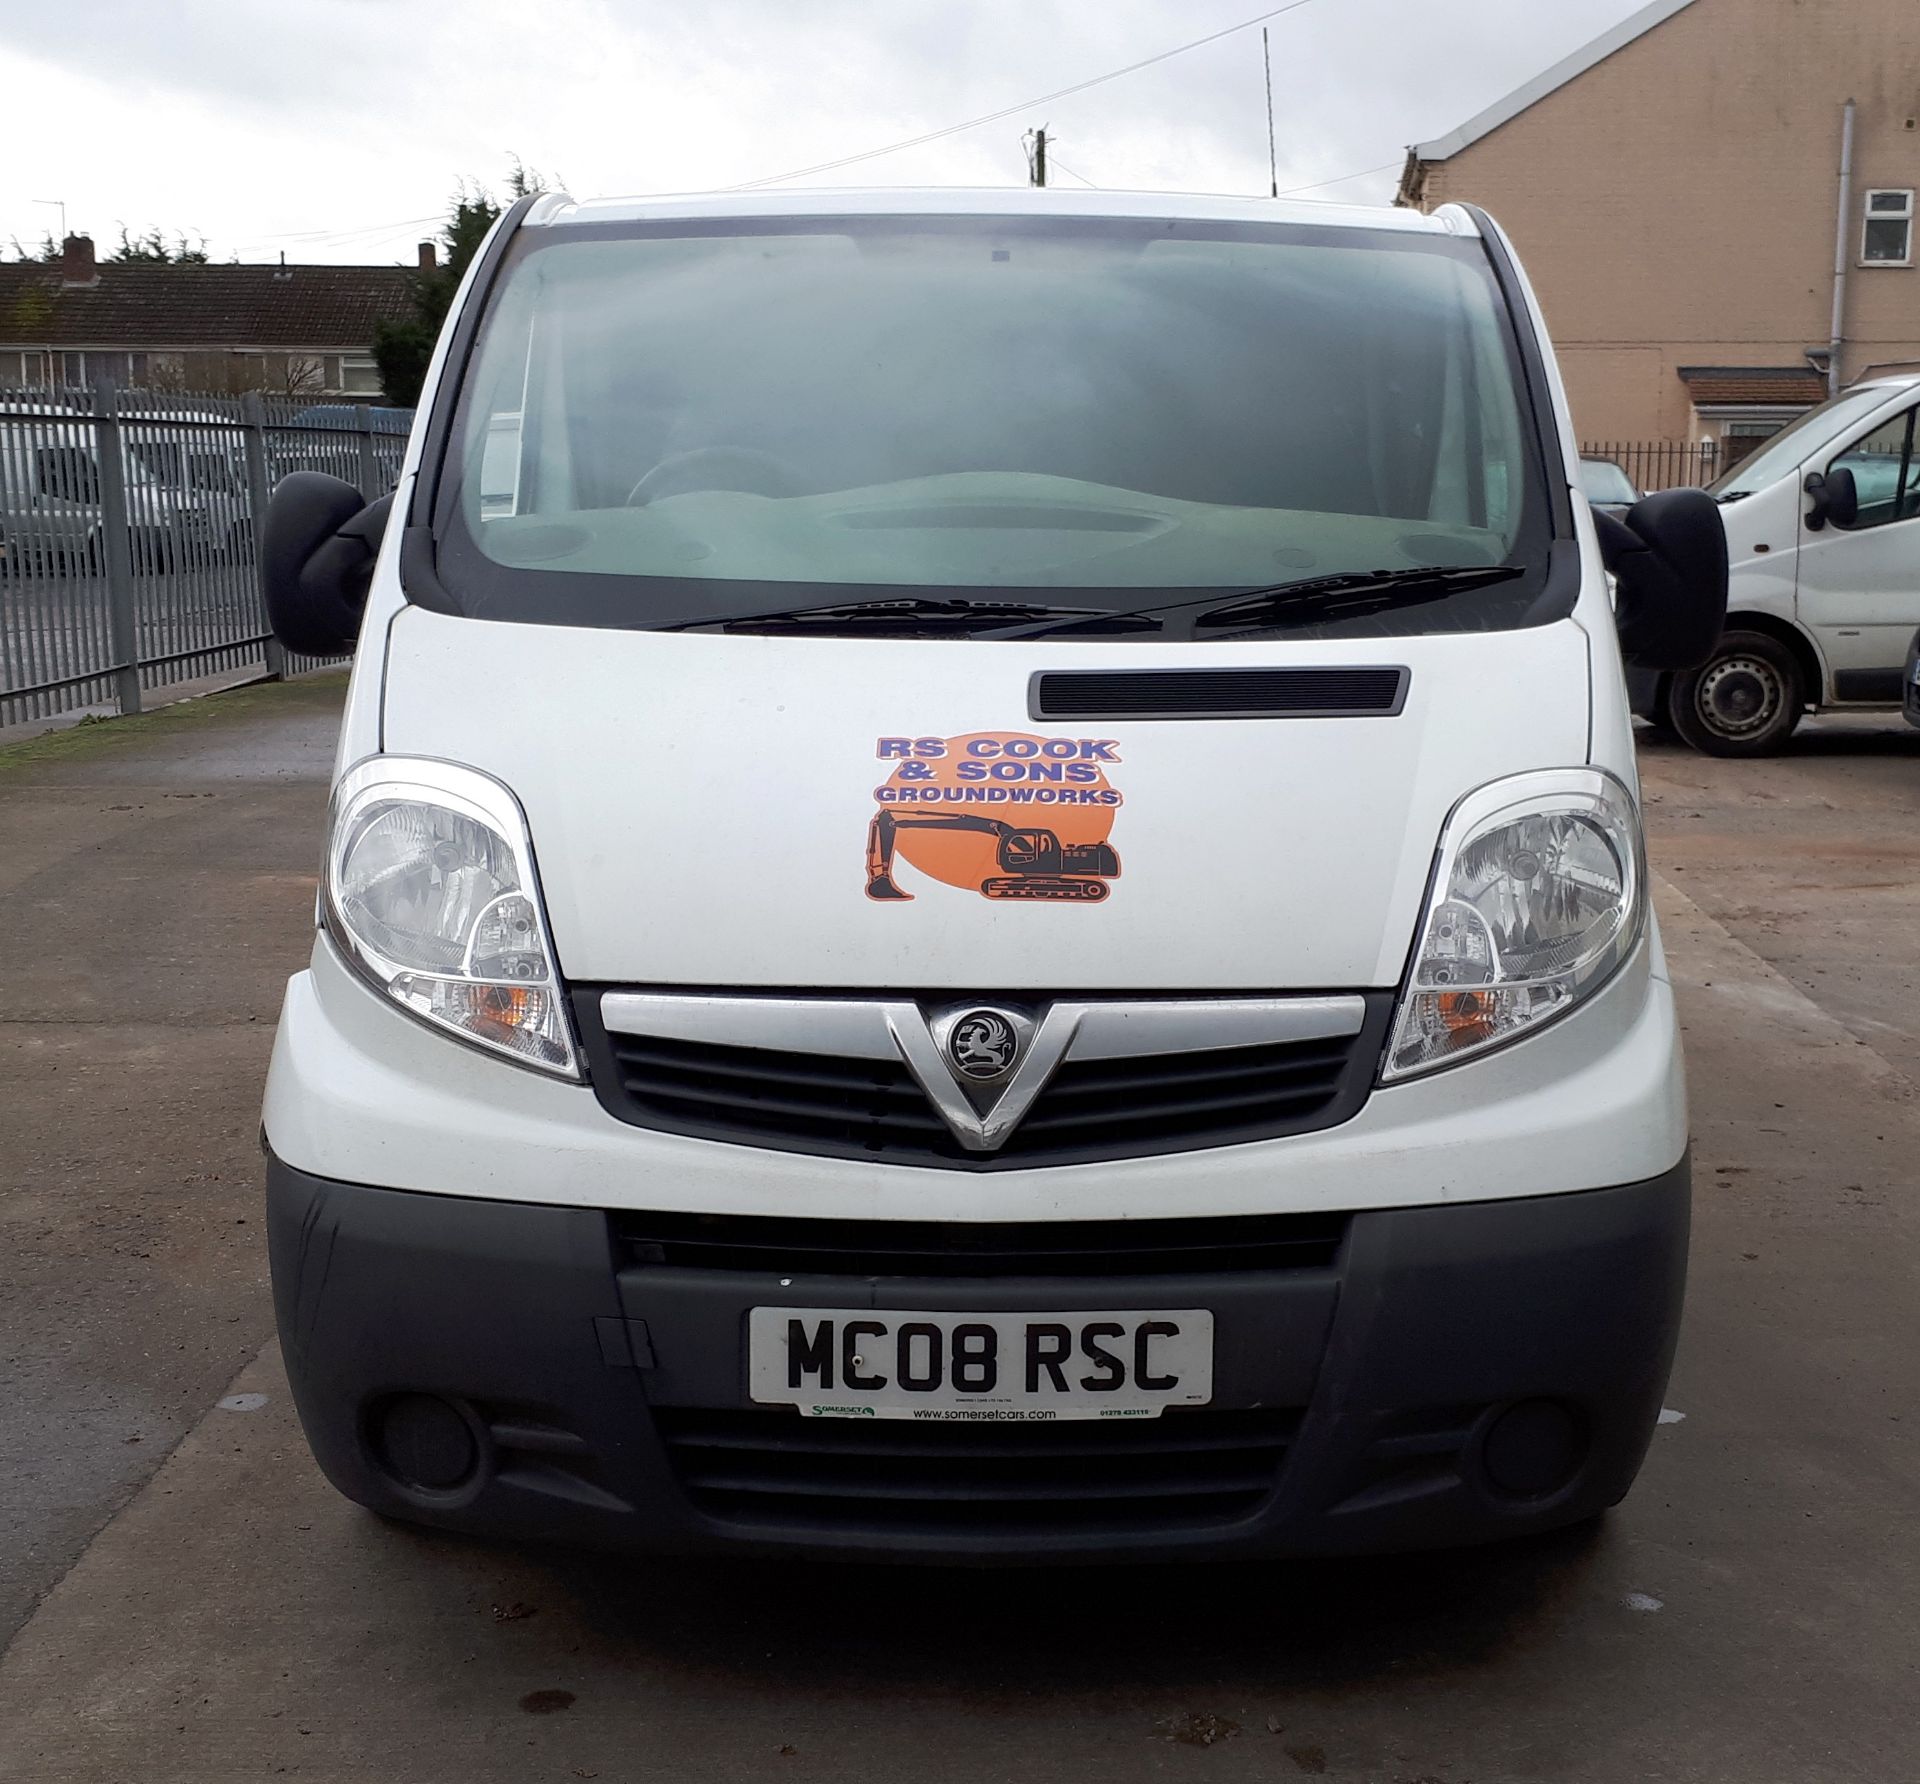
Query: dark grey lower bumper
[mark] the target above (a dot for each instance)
(1424, 1377)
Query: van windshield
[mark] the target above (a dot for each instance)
(675, 423)
(1801, 437)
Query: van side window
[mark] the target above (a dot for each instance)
(65, 472)
(1885, 473)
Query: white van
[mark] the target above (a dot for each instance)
(184, 485)
(993, 907)
(191, 472)
(1823, 535)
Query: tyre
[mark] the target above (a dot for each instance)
(1743, 701)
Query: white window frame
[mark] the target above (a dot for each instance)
(359, 362)
(1870, 215)
(1722, 416)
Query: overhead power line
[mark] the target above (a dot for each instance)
(374, 233)
(1113, 74)
(314, 235)
(1337, 180)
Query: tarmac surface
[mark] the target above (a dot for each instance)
(185, 1599)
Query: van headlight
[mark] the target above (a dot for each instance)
(1539, 893)
(430, 891)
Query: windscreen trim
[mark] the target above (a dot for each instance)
(430, 510)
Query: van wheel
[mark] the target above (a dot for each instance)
(1743, 701)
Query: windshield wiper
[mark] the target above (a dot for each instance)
(1733, 495)
(1337, 596)
(915, 617)
(1355, 591)
(920, 616)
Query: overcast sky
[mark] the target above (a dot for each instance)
(334, 129)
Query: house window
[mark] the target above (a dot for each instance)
(303, 376)
(1886, 235)
(1739, 439)
(359, 376)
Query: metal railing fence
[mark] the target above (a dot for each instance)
(127, 527)
(1668, 464)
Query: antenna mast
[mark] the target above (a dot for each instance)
(1273, 170)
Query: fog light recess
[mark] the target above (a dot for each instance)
(1534, 1448)
(425, 1443)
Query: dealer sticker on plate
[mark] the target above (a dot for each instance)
(994, 1367)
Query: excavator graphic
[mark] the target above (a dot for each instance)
(1033, 863)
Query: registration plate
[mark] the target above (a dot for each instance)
(993, 1367)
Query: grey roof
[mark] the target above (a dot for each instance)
(142, 305)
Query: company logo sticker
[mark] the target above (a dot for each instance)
(1006, 814)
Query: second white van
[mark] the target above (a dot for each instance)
(1823, 542)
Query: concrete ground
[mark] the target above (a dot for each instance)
(188, 1600)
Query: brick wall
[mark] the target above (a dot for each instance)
(1675, 205)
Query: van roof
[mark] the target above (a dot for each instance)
(557, 209)
(1889, 380)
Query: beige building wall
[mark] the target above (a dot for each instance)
(1676, 204)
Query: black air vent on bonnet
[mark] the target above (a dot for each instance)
(1366, 693)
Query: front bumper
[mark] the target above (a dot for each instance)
(535, 1371)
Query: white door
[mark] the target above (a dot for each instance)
(1859, 586)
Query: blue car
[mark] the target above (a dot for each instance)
(346, 415)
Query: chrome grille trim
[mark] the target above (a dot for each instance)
(862, 1028)
(908, 1032)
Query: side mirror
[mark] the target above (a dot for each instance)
(1836, 498)
(1669, 559)
(317, 548)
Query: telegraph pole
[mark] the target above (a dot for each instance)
(1040, 157)
(1273, 169)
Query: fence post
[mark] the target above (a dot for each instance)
(116, 547)
(369, 466)
(253, 441)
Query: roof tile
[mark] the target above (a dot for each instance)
(1775, 384)
(155, 307)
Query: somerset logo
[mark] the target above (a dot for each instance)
(1006, 814)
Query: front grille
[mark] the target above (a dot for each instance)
(1189, 1468)
(949, 1249)
(1090, 1110)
